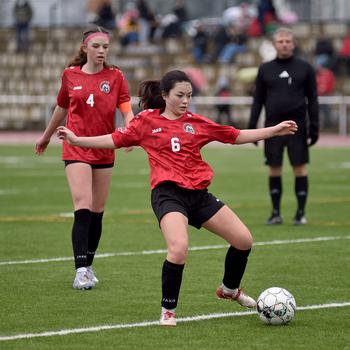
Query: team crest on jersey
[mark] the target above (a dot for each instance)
(189, 128)
(104, 87)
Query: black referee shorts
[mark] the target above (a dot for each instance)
(297, 148)
(197, 205)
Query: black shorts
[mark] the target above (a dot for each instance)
(197, 205)
(298, 151)
(93, 166)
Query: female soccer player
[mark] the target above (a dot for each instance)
(172, 138)
(91, 91)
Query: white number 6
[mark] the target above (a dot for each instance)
(175, 144)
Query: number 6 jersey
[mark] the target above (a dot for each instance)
(173, 146)
(91, 100)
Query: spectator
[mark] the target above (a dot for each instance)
(200, 43)
(106, 15)
(266, 15)
(23, 14)
(324, 51)
(325, 86)
(223, 109)
(343, 59)
(144, 21)
(236, 44)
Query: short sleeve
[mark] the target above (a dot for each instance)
(128, 136)
(123, 91)
(63, 94)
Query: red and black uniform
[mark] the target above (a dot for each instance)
(91, 100)
(173, 146)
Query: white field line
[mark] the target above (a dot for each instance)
(154, 323)
(162, 251)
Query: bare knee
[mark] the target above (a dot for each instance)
(177, 253)
(244, 241)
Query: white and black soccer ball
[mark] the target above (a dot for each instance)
(276, 306)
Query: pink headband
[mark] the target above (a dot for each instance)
(93, 35)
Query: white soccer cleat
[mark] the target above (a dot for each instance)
(236, 295)
(167, 318)
(82, 280)
(91, 275)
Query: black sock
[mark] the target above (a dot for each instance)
(95, 231)
(275, 186)
(171, 282)
(301, 190)
(82, 218)
(235, 264)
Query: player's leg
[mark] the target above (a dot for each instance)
(174, 227)
(79, 176)
(101, 179)
(226, 224)
(274, 148)
(298, 153)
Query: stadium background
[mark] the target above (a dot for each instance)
(30, 81)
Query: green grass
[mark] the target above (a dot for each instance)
(38, 297)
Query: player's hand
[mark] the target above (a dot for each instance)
(65, 134)
(287, 127)
(41, 145)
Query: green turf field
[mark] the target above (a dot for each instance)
(40, 310)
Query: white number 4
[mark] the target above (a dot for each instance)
(90, 101)
(175, 144)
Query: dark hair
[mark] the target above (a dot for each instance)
(80, 58)
(150, 91)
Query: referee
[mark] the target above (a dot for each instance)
(286, 86)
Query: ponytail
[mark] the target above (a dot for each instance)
(150, 95)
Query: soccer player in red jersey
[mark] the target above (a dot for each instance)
(90, 93)
(172, 138)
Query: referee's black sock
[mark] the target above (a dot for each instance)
(171, 282)
(301, 191)
(275, 186)
(94, 236)
(235, 264)
(80, 231)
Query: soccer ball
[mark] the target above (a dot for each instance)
(276, 306)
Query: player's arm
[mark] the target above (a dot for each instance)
(103, 141)
(56, 120)
(288, 127)
(126, 111)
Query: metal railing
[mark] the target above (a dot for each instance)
(48, 102)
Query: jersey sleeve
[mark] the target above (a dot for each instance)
(128, 136)
(218, 132)
(63, 94)
(123, 91)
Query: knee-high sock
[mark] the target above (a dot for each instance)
(235, 264)
(171, 283)
(275, 186)
(95, 232)
(301, 191)
(80, 231)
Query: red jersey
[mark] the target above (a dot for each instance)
(173, 146)
(91, 100)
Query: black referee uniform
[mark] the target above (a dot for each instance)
(287, 89)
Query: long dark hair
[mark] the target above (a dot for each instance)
(81, 58)
(150, 91)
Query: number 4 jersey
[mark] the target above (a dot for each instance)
(173, 146)
(91, 100)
